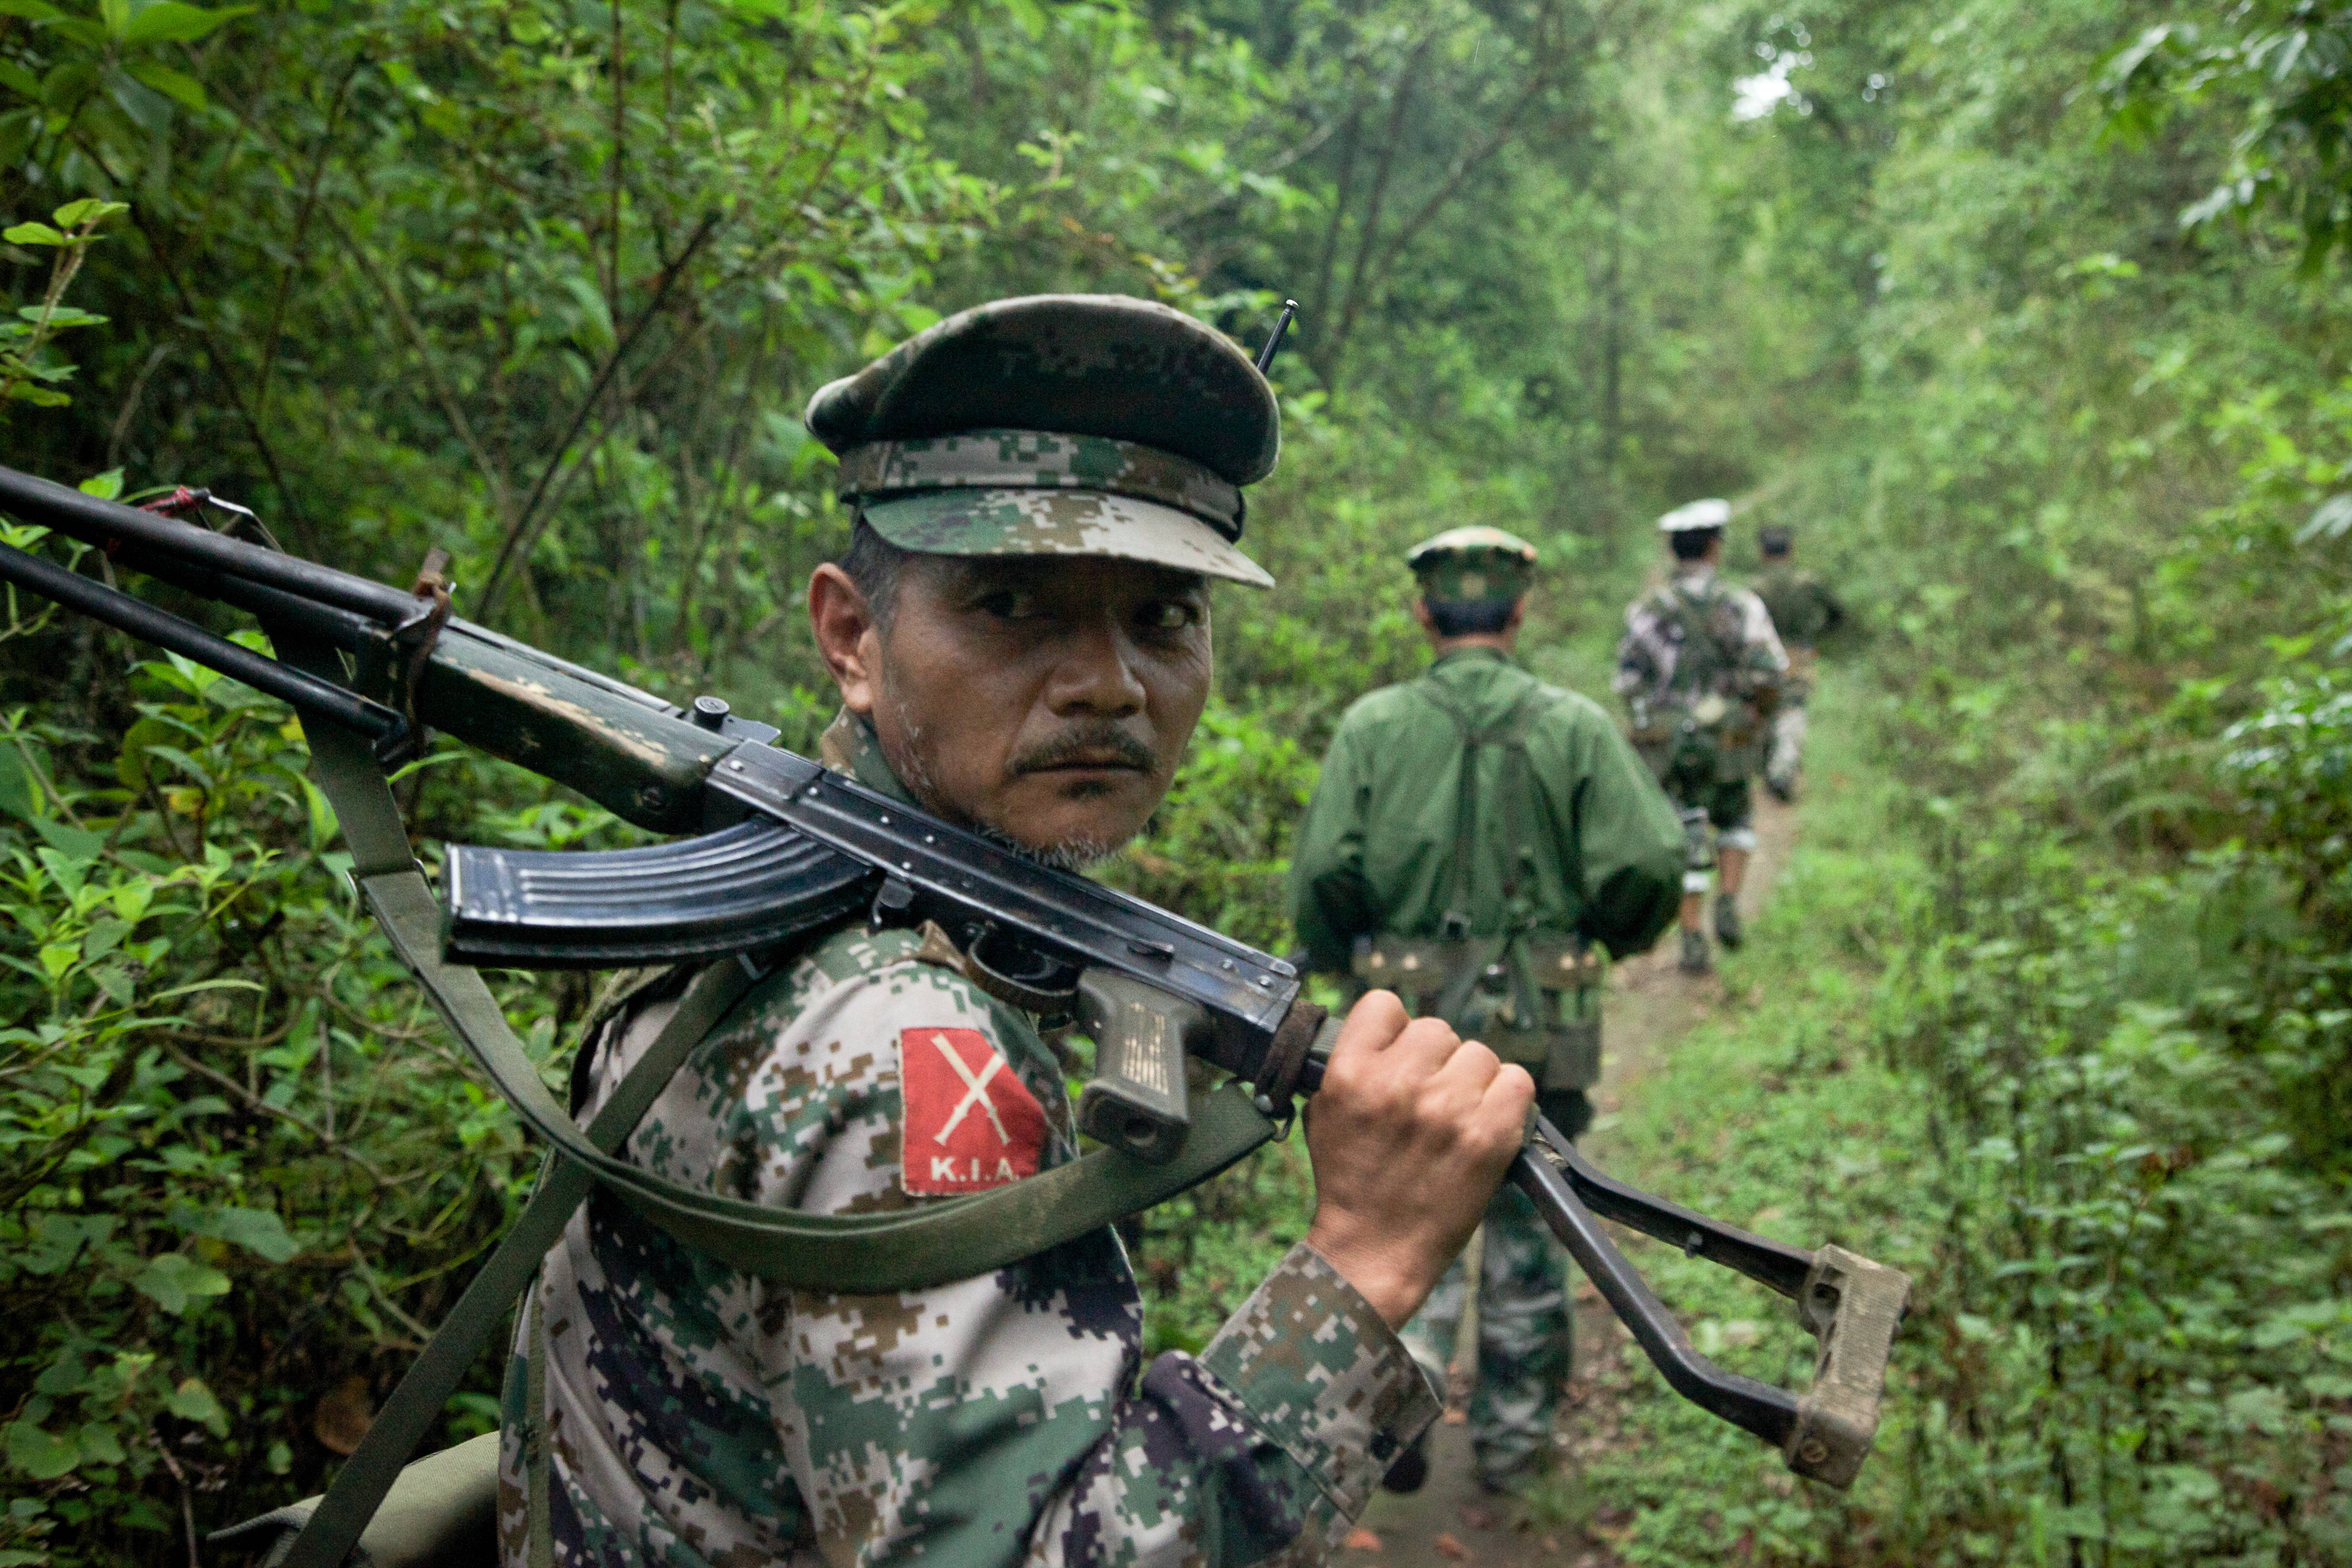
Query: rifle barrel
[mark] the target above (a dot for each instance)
(306, 694)
(111, 525)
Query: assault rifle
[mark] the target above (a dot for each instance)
(769, 846)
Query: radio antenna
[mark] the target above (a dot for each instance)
(1273, 338)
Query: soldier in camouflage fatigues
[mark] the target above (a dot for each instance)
(1803, 611)
(699, 1417)
(1700, 668)
(1476, 803)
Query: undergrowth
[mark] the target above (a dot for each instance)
(2064, 1098)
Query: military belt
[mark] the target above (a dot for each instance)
(1555, 978)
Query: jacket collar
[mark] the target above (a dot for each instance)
(849, 745)
(1473, 652)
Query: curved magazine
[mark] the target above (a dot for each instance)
(730, 892)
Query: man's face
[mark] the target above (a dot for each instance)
(1045, 698)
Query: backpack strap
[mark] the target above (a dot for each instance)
(1509, 732)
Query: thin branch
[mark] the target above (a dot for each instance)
(1369, 230)
(451, 409)
(301, 235)
(297, 523)
(619, 165)
(524, 532)
(1464, 167)
(1328, 258)
(256, 1102)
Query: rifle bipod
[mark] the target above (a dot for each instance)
(1851, 1305)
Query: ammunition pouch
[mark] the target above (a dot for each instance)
(1533, 999)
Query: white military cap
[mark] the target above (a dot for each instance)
(1709, 513)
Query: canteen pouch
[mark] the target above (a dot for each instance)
(1534, 1000)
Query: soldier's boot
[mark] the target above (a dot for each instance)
(1726, 922)
(1696, 960)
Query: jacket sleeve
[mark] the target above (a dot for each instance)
(1331, 901)
(1010, 1418)
(1625, 835)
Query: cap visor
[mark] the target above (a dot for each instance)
(1058, 522)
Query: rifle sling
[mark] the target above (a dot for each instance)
(931, 1244)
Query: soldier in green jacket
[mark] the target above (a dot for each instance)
(1043, 490)
(1803, 611)
(1477, 841)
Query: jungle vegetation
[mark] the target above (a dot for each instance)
(2033, 319)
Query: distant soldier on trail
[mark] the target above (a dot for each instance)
(1700, 668)
(1803, 611)
(1476, 840)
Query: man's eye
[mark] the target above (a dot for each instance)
(1170, 615)
(1009, 604)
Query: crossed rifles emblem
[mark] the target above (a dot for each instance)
(975, 1092)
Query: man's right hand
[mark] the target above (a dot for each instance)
(1409, 1135)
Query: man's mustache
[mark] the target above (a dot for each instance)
(1101, 743)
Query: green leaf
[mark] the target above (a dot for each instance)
(31, 10)
(80, 842)
(259, 1231)
(38, 1454)
(174, 1280)
(107, 486)
(16, 796)
(170, 22)
(99, 1444)
(192, 1401)
(88, 209)
(176, 85)
(208, 985)
(32, 234)
(59, 957)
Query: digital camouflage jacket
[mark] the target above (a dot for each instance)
(703, 1418)
(1377, 851)
(1700, 667)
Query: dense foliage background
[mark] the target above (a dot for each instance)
(2031, 316)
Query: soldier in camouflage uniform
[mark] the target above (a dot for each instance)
(1466, 821)
(1700, 668)
(1019, 631)
(1803, 611)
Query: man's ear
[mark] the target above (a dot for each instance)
(847, 636)
(1518, 613)
(1420, 614)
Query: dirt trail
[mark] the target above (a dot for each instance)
(1449, 1521)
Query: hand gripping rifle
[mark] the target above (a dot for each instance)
(771, 846)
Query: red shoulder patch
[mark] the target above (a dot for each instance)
(970, 1123)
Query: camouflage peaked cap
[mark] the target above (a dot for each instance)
(1478, 563)
(1058, 425)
